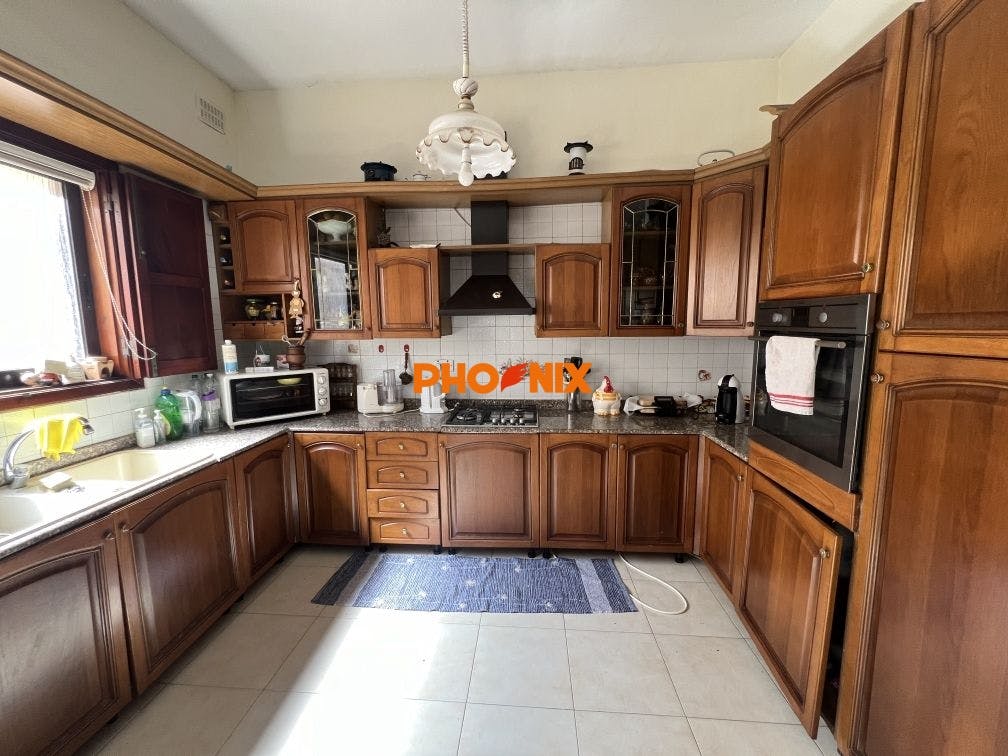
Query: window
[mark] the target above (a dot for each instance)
(45, 285)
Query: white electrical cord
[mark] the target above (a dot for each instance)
(659, 581)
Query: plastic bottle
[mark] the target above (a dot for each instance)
(211, 405)
(229, 354)
(168, 403)
(161, 427)
(143, 428)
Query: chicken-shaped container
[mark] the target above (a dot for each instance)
(605, 399)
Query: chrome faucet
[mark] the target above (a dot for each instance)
(8, 457)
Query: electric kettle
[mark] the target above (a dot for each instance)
(432, 400)
(730, 406)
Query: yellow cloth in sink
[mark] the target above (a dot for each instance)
(57, 434)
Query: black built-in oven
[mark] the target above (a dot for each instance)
(827, 442)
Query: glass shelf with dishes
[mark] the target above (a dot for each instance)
(647, 267)
(334, 261)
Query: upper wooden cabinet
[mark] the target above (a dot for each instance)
(720, 498)
(489, 489)
(577, 498)
(829, 192)
(790, 563)
(650, 260)
(264, 480)
(947, 282)
(406, 291)
(180, 560)
(724, 252)
(264, 240)
(65, 670)
(173, 280)
(572, 290)
(332, 235)
(331, 485)
(656, 498)
(930, 562)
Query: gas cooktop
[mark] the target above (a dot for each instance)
(469, 415)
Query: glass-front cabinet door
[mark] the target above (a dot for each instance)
(335, 285)
(650, 227)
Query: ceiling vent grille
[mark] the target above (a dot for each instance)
(211, 115)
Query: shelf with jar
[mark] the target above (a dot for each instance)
(259, 318)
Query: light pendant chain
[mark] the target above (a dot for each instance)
(465, 39)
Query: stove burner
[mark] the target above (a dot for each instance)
(467, 415)
(510, 416)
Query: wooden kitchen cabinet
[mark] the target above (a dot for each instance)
(333, 242)
(264, 240)
(925, 659)
(720, 497)
(577, 498)
(650, 260)
(489, 489)
(264, 483)
(947, 281)
(572, 290)
(331, 484)
(725, 238)
(169, 250)
(790, 560)
(656, 498)
(65, 669)
(406, 292)
(829, 190)
(180, 561)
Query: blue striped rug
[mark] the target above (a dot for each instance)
(445, 583)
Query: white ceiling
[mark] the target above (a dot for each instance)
(271, 44)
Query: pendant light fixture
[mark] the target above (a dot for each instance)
(465, 142)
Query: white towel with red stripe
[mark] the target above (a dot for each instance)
(790, 373)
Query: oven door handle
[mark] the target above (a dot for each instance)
(822, 343)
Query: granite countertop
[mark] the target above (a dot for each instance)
(227, 443)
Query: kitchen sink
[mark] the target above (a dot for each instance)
(97, 481)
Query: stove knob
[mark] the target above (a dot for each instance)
(521, 421)
(777, 317)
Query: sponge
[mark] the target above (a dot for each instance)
(56, 481)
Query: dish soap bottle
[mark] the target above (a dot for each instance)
(168, 403)
(143, 428)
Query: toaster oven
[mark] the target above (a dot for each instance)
(248, 398)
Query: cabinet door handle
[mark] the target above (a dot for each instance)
(402, 474)
(824, 553)
(750, 323)
(404, 532)
(877, 378)
(883, 325)
(680, 325)
(402, 446)
(360, 445)
(614, 445)
(108, 535)
(738, 478)
(123, 527)
(402, 505)
(867, 267)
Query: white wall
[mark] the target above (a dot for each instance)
(106, 50)
(638, 118)
(842, 28)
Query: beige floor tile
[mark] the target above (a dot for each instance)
(517, 731)
(726, 603)
(291, 591)
(245, 653)
(705, 572)
(620, 672)
(183, 719)
(310, 723)
(101, 738)
(307, 555)
(361, 657)
(719, 678)
(521, 666)
(542, 619)
(617, 622)
(705, 615)
(756, 652)
(825, 740)
(664, 567)
(727, 738)
(605, 733)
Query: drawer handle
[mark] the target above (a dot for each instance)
(404, 532)
(402, 474)
(402, 505)
(824, 553)
(402, 446)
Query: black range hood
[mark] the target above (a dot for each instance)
(489, 290)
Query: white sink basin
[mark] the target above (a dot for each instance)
(97, 481)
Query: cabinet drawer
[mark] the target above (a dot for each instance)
(402, 475)
(402, 503)
(401, 446)
(405, 531)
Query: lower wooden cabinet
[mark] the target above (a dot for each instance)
(656, 499)
(790, 563)
(264, 481)
(719, 500)
(180, 561)
(415, 531)
(64, 670)
(331, 484)
(489, 489)
(577, 498)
